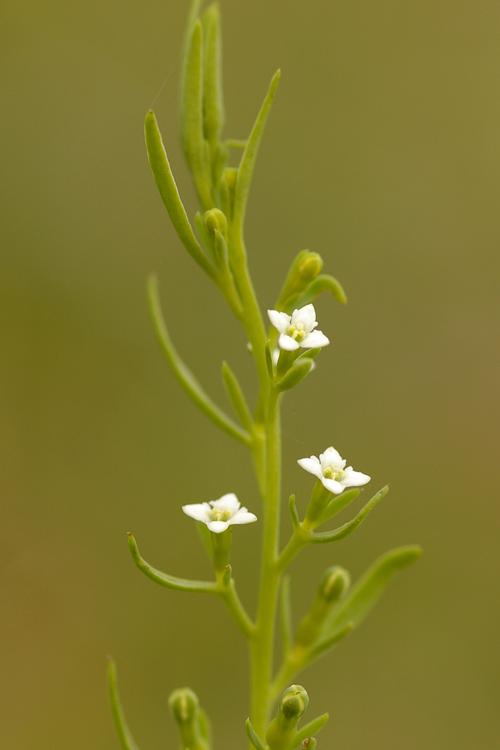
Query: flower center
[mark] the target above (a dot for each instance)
(330, 473)
(220, 515)
(296, 332)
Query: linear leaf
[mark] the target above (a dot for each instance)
(297, 372)
(127, 742)
(254, 737)
(329, 642)
(324, 283)
(213, 99)
(339, 503)
(363, 596)
(308, 730)
(167, 187)
(350, 526)
(170, 582)
(193, 139)
(294, 513)
(184, 376)
(247, 163)
(236, 396)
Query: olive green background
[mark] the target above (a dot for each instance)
(383, 154)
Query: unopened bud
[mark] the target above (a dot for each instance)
(190, 718)
(184, 705)
(309, 265)
(333, 585)
(229, 177)
(283, 727)
(294, 702)
(227, 187)
(304, 269)
(335, 582)
(215, 220)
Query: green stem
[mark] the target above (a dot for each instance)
(262, 647)
(252, 320)
(235, 606)
(299, 539)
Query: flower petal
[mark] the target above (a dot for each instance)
(287, 343)
(218, 526)
(315, 340)
(331, 458)
(354, 478)
(228, 503)
(279, 320)
(242, 516)
(332, 485)
(198, 511)
(312, 465)
(306, 316)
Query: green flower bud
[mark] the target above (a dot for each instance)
(283, 728)
(184, 705)
(333, 585)
(294, 702)
(335, 582)
(227, 187)
(304, 269)
(309, 265)
(229, 177)
(190, 719)
(215, 220)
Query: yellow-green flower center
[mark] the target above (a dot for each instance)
(296, 332)
(330, 473)
(220, 515)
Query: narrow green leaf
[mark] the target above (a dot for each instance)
(351, 526)
(329, 642)
(194, 144)
(313, 727)
(170, 582)
(254, 737)
(269, 360)
(286, 615)
(294, 514)
(184, 375)
(127, 742)
(324, 283)
(237, 397)
(339, 503)
(297, 372)
(213, 99)
(167, 187)
(247, 163)
(363, 596)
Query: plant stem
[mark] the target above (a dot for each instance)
(252, 320)
(262, 646)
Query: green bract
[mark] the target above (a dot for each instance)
(284, 354)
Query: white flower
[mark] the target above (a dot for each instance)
(219, 514)
(330, 468)
(297, 330)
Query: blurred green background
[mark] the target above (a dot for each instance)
(383, 154)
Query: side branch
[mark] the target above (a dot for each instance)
(228, 592)
(184, 375)
(170, 582)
